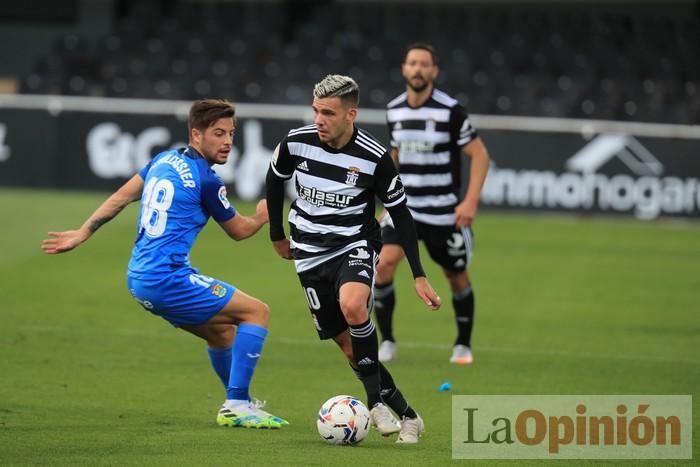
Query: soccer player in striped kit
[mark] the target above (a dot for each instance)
(430, 134)
(335, 238)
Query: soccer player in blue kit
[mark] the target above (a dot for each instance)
(179, 192)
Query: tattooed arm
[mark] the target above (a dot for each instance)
(61, 242)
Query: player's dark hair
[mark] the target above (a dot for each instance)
(422, 46)
(205, 112)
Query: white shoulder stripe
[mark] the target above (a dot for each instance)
(304, 129)
(397, 100)
(369, 140)
(370, 149)
(343, 160)
(444, 99)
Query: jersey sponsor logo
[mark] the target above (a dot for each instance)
(430, 125)
(398, 126)
(363, 274)
(303, 166)
(352, 176)
(322, 198)
(218, 290)
(415, 146)
(361, 253)
(223, 197)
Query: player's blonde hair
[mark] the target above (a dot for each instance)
(338, 86)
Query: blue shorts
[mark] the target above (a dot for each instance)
(184, 297)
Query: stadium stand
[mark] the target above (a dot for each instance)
(608, 61)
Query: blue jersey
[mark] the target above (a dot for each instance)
(180, 193)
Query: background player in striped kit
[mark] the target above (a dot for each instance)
(430, 132)
(335, 237)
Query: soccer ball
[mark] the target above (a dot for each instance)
(343, 420)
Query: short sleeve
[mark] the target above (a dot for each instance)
(460, 126)
(387, 183)
(214, 198)
(143, 172)
(283, 163)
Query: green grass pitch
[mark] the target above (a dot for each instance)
(565, 305)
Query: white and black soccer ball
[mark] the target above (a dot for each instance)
(343, 420)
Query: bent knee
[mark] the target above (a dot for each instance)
(354, 310)
(262, 313)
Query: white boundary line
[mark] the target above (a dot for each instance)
(57, 104)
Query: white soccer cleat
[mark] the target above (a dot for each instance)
(411, 430)
(387, 351)
(385, 422)
(461, 355)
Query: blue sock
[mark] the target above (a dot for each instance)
(221, 361)
(246, 353)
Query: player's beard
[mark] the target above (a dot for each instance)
(420, 87)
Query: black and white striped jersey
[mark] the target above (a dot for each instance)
(334, 209)
(429, 140)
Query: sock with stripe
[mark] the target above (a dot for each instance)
(392, 396)
(463, 303)
(246, 353)
(365, 349)
(384, 303)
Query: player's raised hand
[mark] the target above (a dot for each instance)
(427, 294)
(283, 248)
(61, 242)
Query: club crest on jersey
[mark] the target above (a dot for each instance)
(430, 125)
(223, 198)
(352, 176)
(218, 290)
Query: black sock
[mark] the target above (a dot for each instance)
(463, 303)
(384, 301)
(392, 397)
(365, 349)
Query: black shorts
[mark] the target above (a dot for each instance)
(447, 245)
(322, 284)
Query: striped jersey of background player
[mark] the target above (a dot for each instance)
(430, 133)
